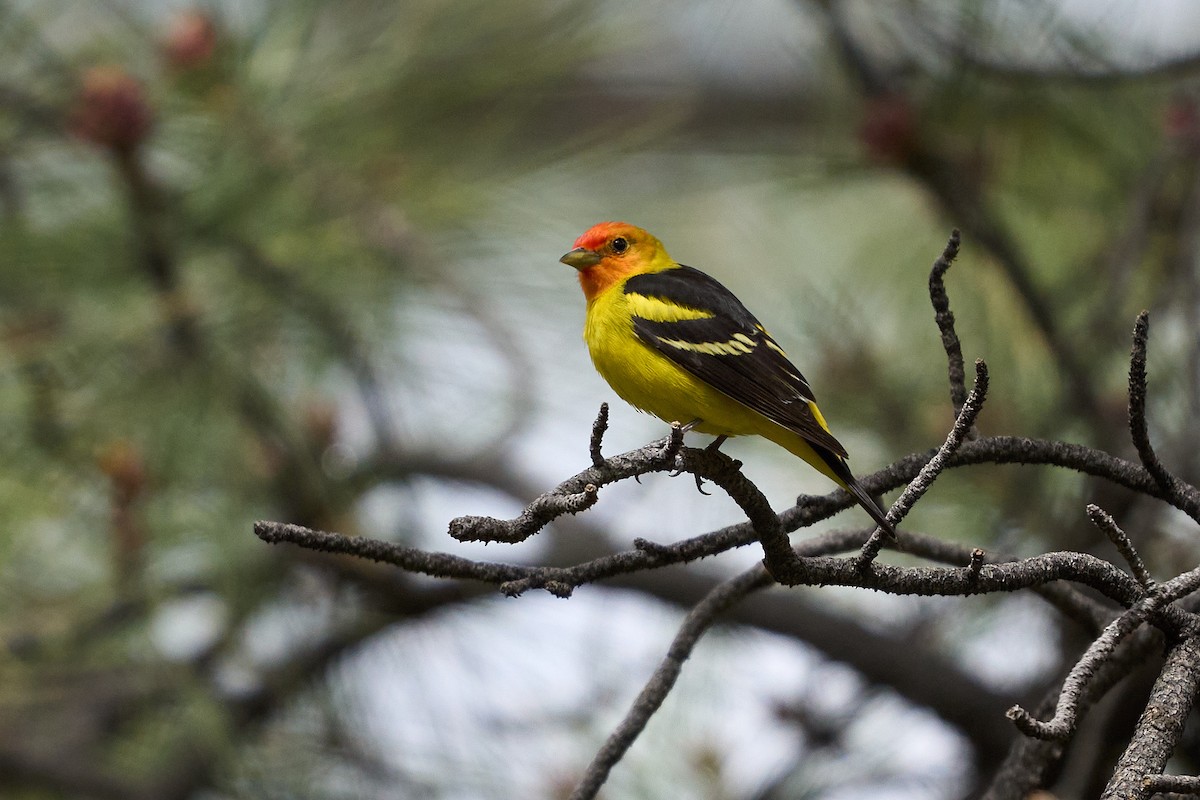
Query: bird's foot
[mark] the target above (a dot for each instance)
(711, 448)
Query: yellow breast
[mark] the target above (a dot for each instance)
(650, 381)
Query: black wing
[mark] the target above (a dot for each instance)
(729, 350)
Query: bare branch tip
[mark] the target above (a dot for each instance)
(1035, 728)
(599, 428)
(949, 253)
(976, 562)
(1124, 545)
(265, 530)
(1137, 356)
(944, 318)
(979, 391)
(1098, 515)
(964, 422)
(1139, 429)
(674, 442)
(1172, 784)
(1141, 333)
(650, 548)
(1024, 721)
(573, 504)
(973, 403)
(952, 245)
(468, 528)
(276, 532)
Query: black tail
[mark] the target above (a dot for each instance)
(869, 505)
(857, 492)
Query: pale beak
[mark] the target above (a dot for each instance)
(581, 258)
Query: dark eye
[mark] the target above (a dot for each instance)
(619, 245)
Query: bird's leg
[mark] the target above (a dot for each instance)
(716, 443)
(713, 447)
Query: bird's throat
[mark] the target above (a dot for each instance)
(598, 279)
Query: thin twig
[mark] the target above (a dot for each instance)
(698, 621)
(976, 562)
(1031, 762)
(440, 565)
(599, 427)
(542, 511)
(1173, 784)
(1021, 450)
(945, 322)
(1104, 521)
(929, 473)
(571, 496)
(1066, 714)
(1065, 717)
(777, 549)
(1138, 425)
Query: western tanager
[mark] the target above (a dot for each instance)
(673, 341)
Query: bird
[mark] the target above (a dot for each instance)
(674, 342)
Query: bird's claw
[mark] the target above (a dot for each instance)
(678, 466)
(679, 470)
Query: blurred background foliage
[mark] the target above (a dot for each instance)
(299, 261)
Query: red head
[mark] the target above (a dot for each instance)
(608, 253)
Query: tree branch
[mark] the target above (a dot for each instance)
(1161, 724)
(811, 562)
(652, 695)
(1102, 520)
(599, 428)
(997, 450)
(1031, 761)
(929, 473)
(572, 495)
(1150, 605)
(944, 318)
(1138, 425)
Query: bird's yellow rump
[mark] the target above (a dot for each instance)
(673, 341)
